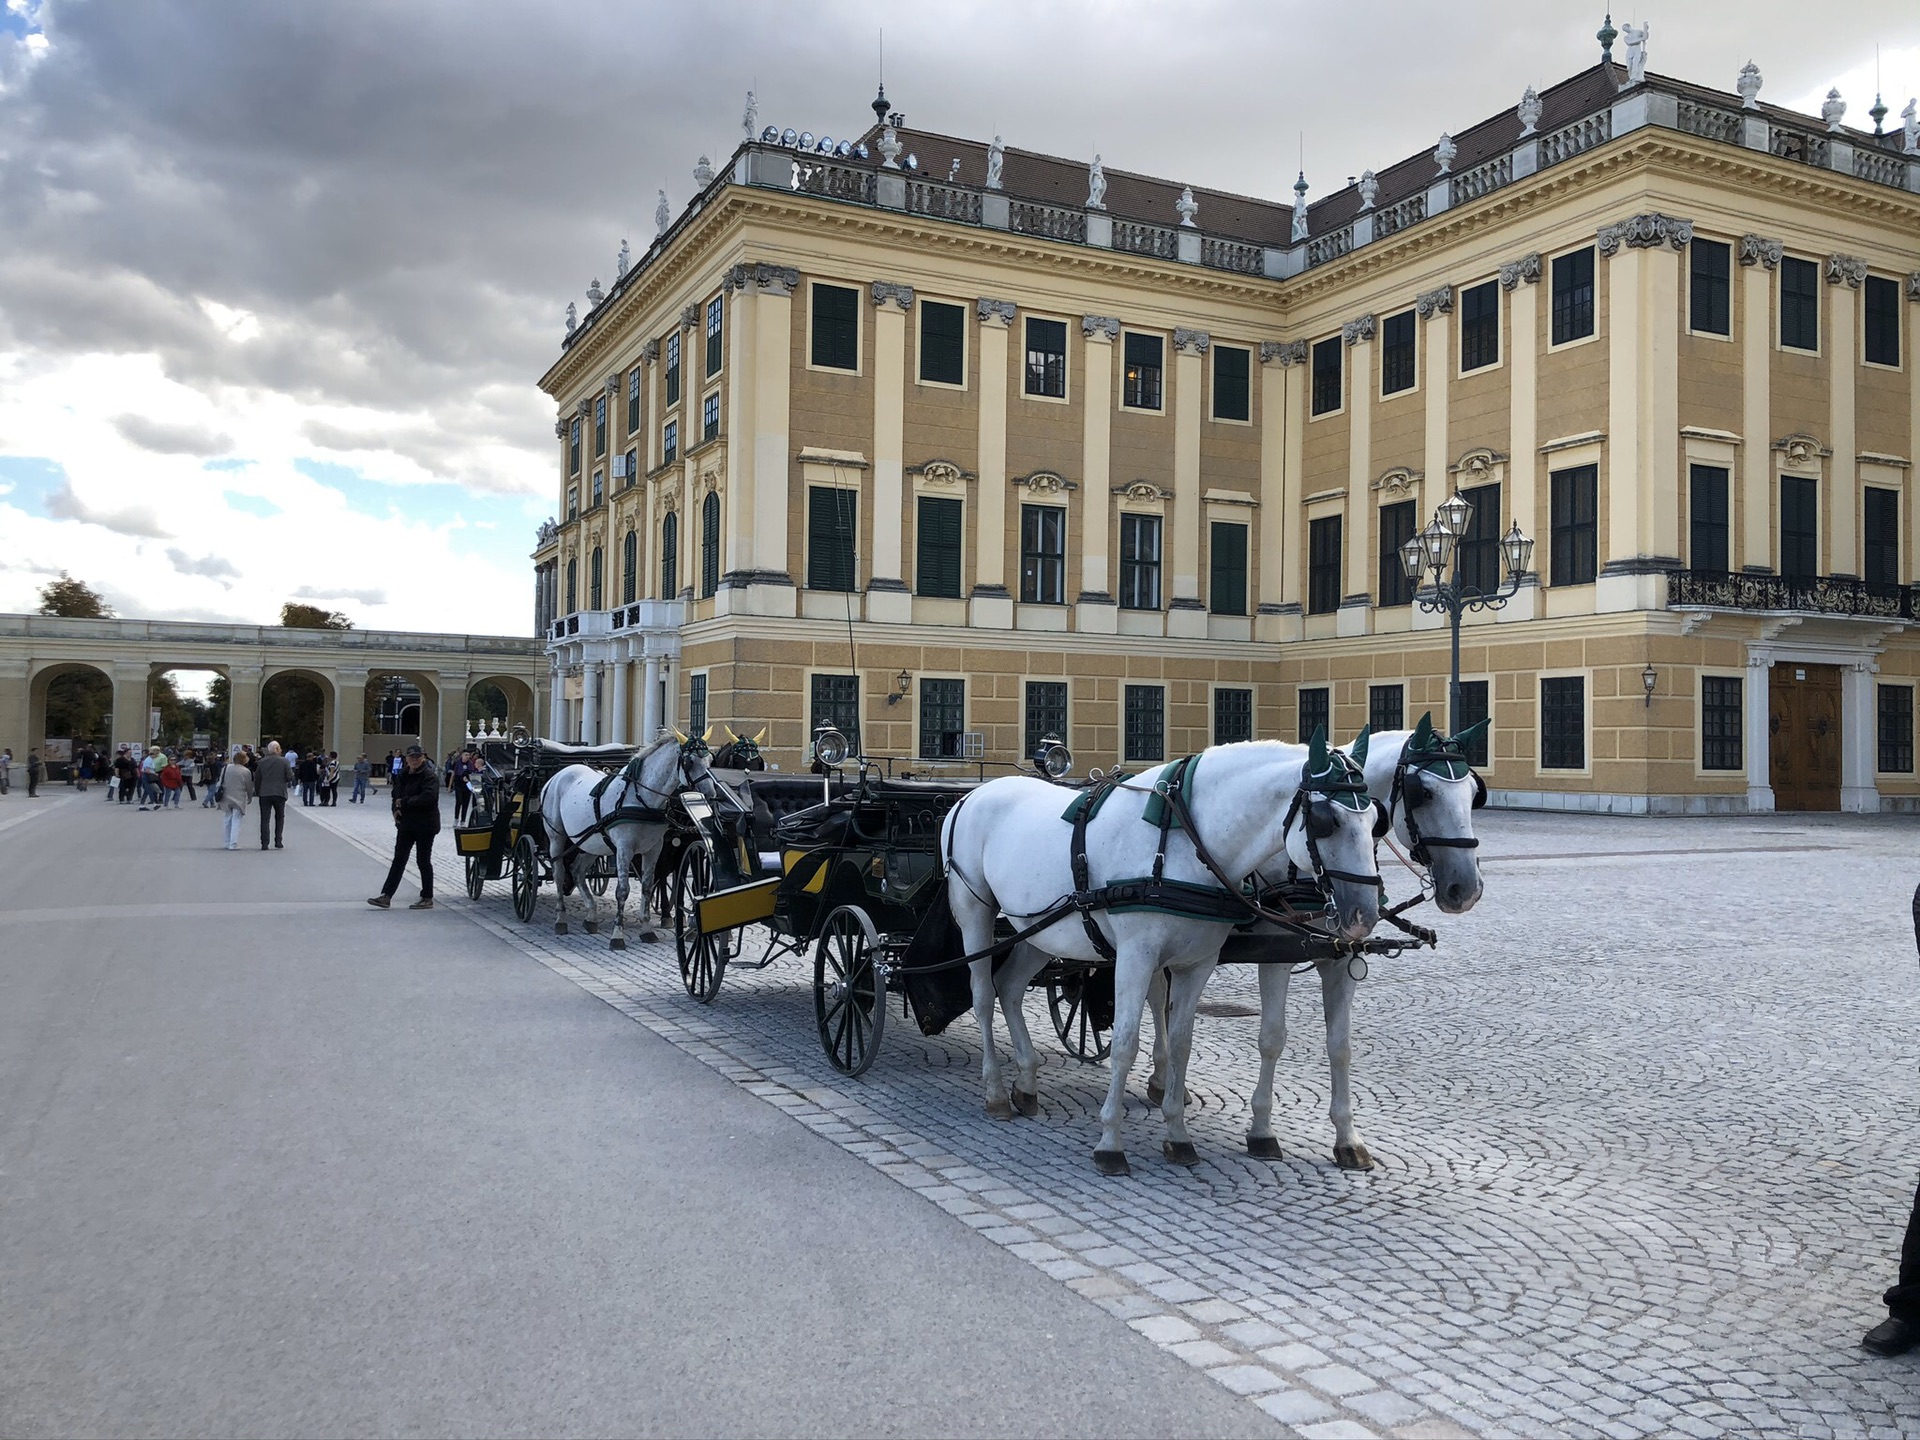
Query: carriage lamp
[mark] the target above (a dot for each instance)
(902, 683)
(829, 745)
(1052, 758)
(1453, 514)
(1649, 678)
(1518, 549)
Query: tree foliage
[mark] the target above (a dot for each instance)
(73, 599)
(296, 616)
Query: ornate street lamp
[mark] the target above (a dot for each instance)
(1434, 555)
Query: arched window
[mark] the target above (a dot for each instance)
(573, 584)
(710, 545)
(629, 567)
(670, 557)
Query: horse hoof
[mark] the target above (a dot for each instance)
(1111, 1162)
(1263, 1147)
(560, 928)
(592, 927)
(1180, 1152)
(1001, 1109)
(1352, 1157)
(1026, 1103)
(619, 942)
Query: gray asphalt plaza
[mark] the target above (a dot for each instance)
(270, 1161)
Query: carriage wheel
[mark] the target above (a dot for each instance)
(703, 958)
(476, 876)
(526, 878)
(598, 876)
(1073, 1019)
(849, 996)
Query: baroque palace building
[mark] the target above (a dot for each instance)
(956, 445)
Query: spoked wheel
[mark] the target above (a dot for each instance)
(849, 993)
(703, 958)
(476, 877)
(1073, 1018)
(526, 878)
(599, 875)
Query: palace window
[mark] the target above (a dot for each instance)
(1326, 375)
(1709, 288)
(1146, 724)
(670, 442)
(1799, 527)
(710, 417)
(1386, 707)
(1709, 531)
(1563, 722)
(836, 702)
(1323, 566)
(1720, 738)
(1046, 712)
(1047, 358)
(599, 425)
(1574, 502)
(573, 447)
(1480, 326)
(709, 545)
(1139, 562)
(633, 402)
(937, 538)
(1232, 715)
(1799, 304)
(1473, 709)
(943, 343)
(673, 368)
(836, 327)
(831, 517)
(1316, 711)
(1882, 536)
(1573, 296)
(943, 716)
(596, 579)
(1227, 568)
(630, 568)
(1398, 360)
(1141, 380)
(1882, 301)
(670, 556)
(1043, 554)
(1396, 528)
(696, 704)
(1896, 729)
(1232, 383)
(715, 315)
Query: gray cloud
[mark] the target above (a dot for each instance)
(164, 438)
(407, 196)
(211, 566)
(137, 520)
(365, 597)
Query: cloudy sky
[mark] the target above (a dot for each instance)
(277, 279)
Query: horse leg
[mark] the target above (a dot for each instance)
(1130, 983)
(999, 1105)
(1273, 1040)
(1336, 995)
(1183, 1003)
(1011, 985)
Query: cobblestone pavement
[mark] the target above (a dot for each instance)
(1645, 1132)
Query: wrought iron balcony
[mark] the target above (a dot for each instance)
(1805, 594)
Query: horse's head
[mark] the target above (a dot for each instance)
(1438, 794)
(1330, 835)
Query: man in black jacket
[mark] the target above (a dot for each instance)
(416, 820)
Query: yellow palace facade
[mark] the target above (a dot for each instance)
(957, 445)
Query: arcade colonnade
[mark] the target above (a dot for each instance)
(36, 649)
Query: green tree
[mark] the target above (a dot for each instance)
(296, 616)
(74, 599)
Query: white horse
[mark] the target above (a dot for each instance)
(1008, 851)
(590, 815)
(1424, 782)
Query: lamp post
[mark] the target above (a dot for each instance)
(1433, 555)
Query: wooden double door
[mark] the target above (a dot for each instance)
(1804, 721)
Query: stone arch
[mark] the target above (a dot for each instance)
(518, 693)
(302, 729)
